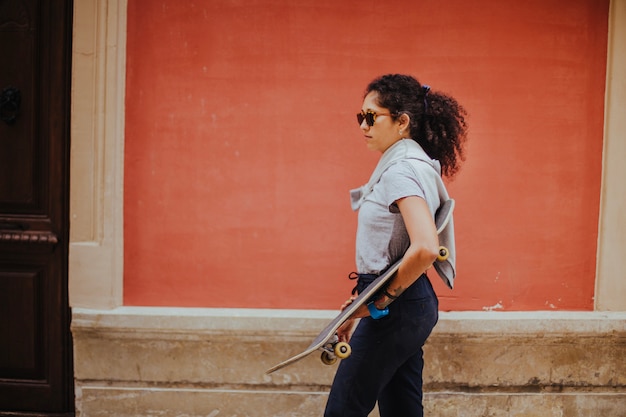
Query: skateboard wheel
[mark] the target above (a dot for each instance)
(342, 350)
(443, 254)
(328, 359)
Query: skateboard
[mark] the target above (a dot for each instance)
(328, 341)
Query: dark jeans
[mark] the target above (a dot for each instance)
(387, 360)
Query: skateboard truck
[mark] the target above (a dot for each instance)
(335, 349)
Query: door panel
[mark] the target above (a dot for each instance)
(36, 375)
(18, 299)
(17, 37)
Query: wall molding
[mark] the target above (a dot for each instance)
(97, 154)
(611, 263)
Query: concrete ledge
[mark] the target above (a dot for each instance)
(208, 362)
(105, 401)
(306, 321)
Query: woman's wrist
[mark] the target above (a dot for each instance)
(387, 296)
(382, 302)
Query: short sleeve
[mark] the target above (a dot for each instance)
(399, 181)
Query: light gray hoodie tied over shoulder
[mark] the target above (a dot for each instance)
(428, 174)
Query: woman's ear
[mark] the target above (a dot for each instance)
(403, 121)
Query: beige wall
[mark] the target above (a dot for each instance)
(611, 276)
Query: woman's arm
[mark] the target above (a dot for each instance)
(422, 252)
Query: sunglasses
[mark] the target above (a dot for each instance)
(369, 117)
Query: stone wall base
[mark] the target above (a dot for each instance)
(204, 362)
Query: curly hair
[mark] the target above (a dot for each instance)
(437, 121)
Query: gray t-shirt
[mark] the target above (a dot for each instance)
(381, 237)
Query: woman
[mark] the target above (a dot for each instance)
(421, 136)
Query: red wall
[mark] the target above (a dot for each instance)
(242, 144)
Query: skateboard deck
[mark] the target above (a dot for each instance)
(327, 340)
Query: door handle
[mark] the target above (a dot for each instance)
(10, 100)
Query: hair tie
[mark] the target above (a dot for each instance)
(426, 89)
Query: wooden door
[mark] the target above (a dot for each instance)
(36, 374)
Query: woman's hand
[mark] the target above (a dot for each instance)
(348, 302)
(360, 312)
(345, 330)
